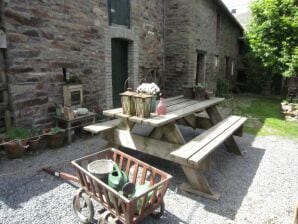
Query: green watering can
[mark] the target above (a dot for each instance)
(130, 191)
(117, 178)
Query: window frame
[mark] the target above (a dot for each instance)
(110, 14)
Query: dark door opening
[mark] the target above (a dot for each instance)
(119, 68)
(227, 72)
(200, 73)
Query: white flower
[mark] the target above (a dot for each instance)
(148, 88)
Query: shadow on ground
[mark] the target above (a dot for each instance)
(230, 175)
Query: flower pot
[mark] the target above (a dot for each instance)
(188, 92)
(55, 140)
(143, 105)
(15, 148)
(34, 143)
(200, 93)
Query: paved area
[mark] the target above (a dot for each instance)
(259, 187)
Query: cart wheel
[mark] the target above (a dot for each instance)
(83, 207)
(106, 218)
(156, 214)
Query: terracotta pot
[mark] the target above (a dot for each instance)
(55, 140)
(34, 143)
(15, 148)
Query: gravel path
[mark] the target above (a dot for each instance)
(260, 187)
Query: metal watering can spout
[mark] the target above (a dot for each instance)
(117, 178)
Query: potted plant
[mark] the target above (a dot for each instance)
(188, 92)
(54, 136)
(16, 142)
(200, 91)
(150, 89)
(34, 140)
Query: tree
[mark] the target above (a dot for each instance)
(273, 35)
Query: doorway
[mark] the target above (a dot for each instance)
(200, 72)
(119, 68)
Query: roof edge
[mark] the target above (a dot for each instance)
(227, 11)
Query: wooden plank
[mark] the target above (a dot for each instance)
(174, 102)
(230, 142)
(172, 134)
(103, 126)
(167, 100)
(189, 149)
(201, 154)
(181, 105)
(157, 121)
(112, 112)
(144, 144)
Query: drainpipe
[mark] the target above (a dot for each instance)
(164, 34)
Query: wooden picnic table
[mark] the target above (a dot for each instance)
(166, 141)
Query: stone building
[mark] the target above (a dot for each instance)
(104, 42)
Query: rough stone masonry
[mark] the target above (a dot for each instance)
(45, 36)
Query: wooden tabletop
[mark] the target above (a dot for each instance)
(177, 107)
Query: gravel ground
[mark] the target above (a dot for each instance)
(260, 187)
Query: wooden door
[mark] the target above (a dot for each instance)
(119, 69)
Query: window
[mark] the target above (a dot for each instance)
(200, 71)
(216, 62)
(217, 28)
(119, 12)
(232, 67)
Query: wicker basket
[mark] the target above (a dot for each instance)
(143, 105)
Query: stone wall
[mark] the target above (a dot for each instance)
(177, 45)
(45, 36)
(191, 27)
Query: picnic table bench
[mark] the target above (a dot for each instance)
(166, 141)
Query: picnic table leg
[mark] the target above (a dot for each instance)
(198, 184)
(169, 132)
(230, 142)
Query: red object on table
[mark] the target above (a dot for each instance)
(161, 107)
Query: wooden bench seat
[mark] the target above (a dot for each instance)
(193, 152)
(102, 126)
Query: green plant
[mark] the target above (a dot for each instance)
(273, 37)
(17, 133)
(222, 88)
(56, 130)
(200, 85)
(34, 132)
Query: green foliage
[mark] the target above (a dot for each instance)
(17, 133)
(265, 118)
(200, 85)
(56, 130)
(273, 35)
(222, 88)
(34, 131)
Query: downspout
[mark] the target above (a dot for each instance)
(163, 47)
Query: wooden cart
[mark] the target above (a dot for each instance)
(119, 207)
